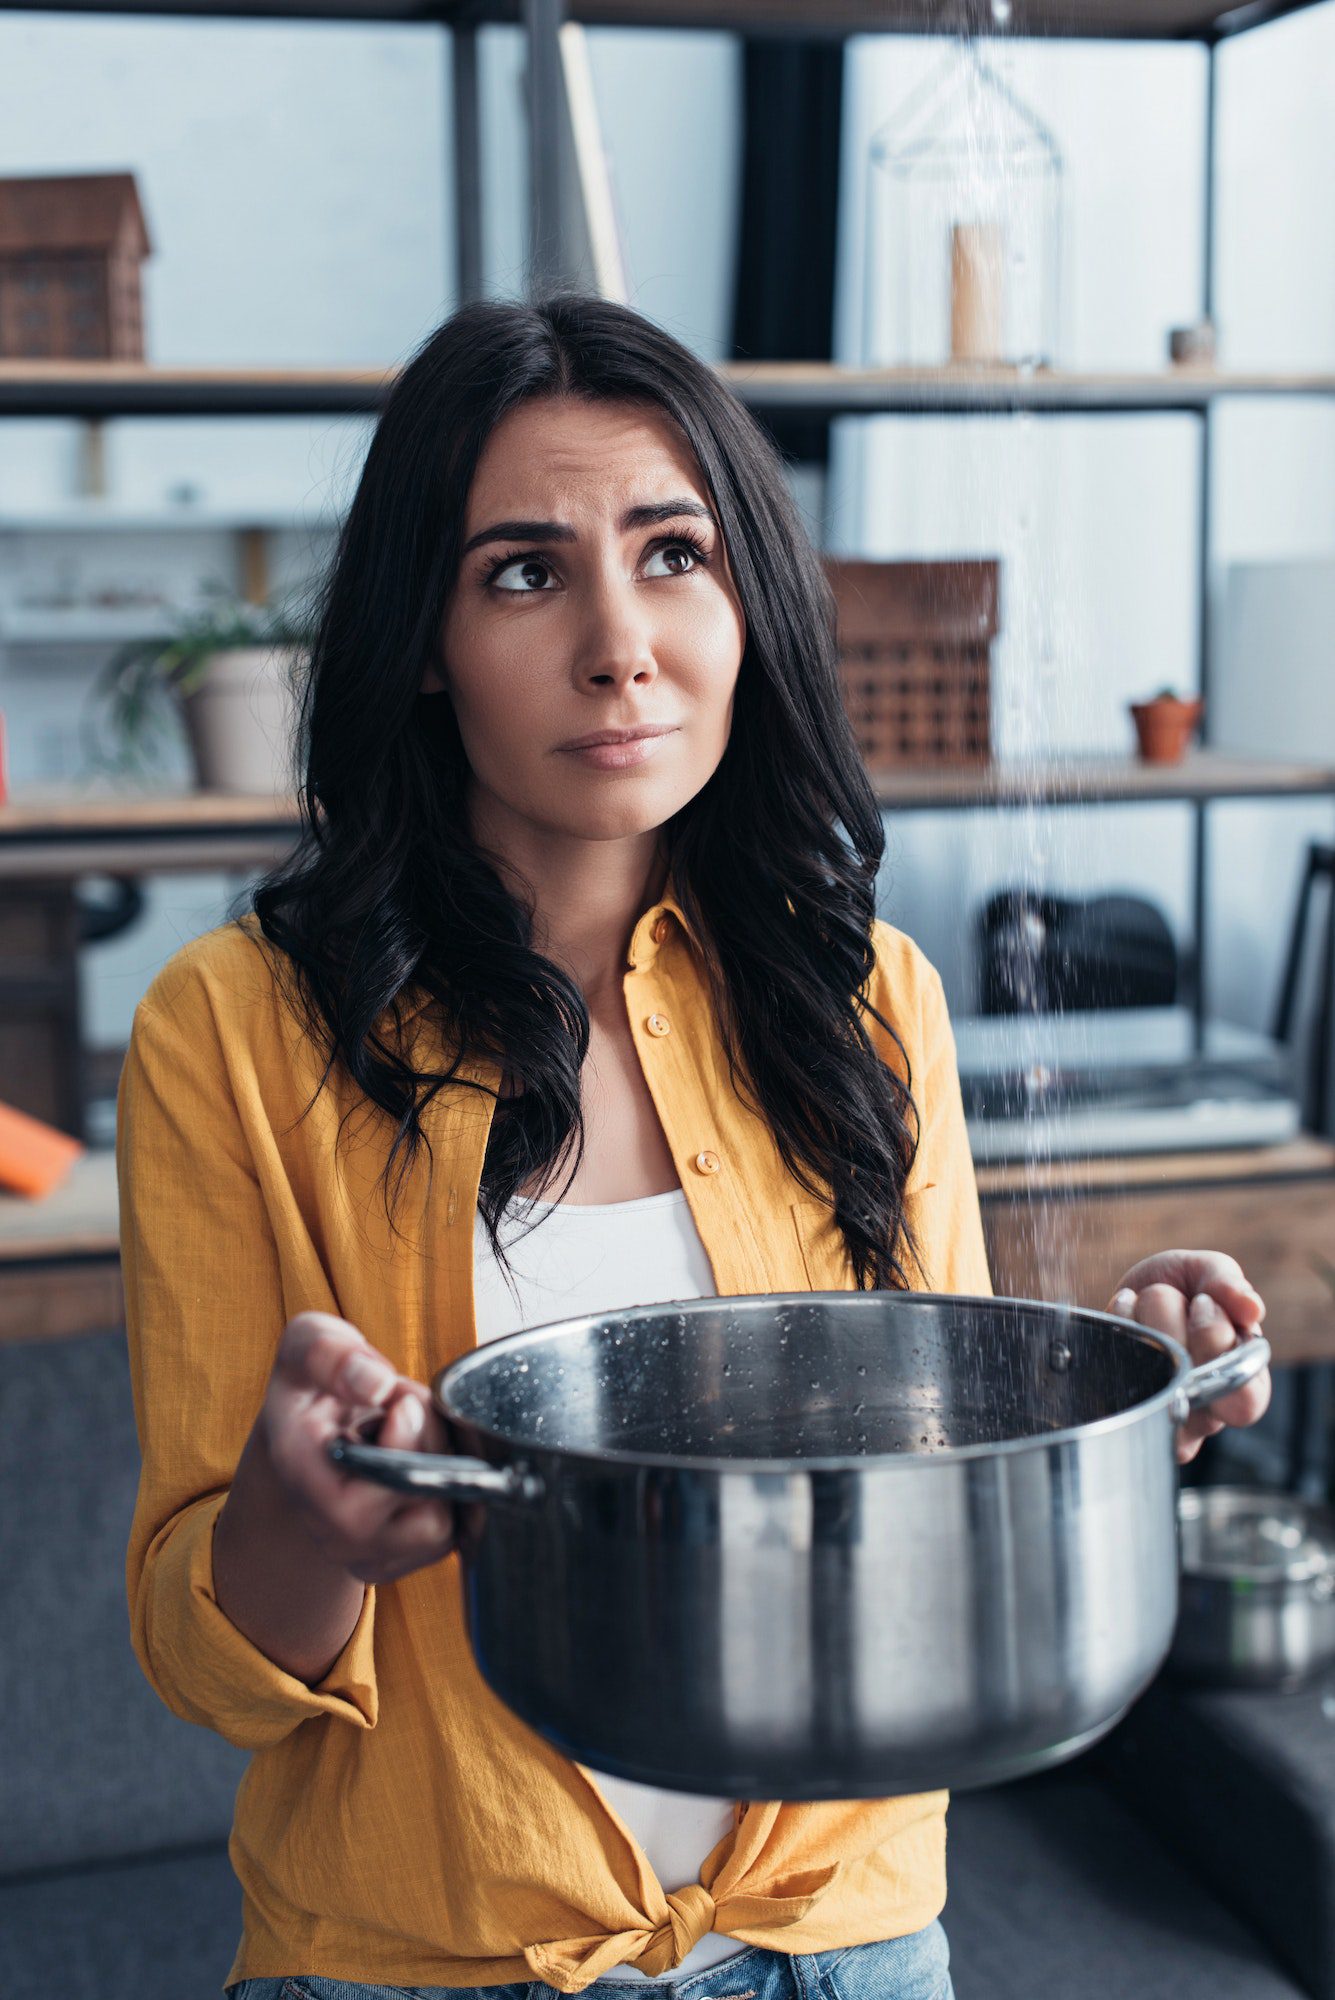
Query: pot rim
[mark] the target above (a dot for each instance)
(859, 1462)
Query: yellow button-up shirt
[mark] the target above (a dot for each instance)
(396, 1823)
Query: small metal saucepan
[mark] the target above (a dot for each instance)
(822, 1544)
(1258, 1588)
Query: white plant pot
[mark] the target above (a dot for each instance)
(241, 722)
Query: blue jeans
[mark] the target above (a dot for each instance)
(916, 1967)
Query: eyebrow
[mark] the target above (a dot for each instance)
(643, 516)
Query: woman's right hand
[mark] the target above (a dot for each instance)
(326, 1377)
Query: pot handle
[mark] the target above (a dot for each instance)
(1220, 1377)
(443, 1475)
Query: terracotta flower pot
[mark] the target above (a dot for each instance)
(1165, 726)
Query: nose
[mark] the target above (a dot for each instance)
(616, 649)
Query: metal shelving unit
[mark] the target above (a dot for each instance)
(105, 390)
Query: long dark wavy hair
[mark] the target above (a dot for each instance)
(386, 898)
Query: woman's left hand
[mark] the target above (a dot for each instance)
(1201, 1298)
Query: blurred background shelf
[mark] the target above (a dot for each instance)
(50, 836)
(83, 625)
(111, 517)
(1077, 780)
(59, 831)
(136, 389)
(1122, 20)
(131, 389)
(812, 388)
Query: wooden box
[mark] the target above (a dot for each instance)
(71, 246)
(915, 650)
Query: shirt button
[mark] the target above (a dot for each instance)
(661, 931)
(707, 1163)
(658, 1024)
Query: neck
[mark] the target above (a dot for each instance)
(586, 894)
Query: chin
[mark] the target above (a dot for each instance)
(627, 816)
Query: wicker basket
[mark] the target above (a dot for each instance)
(915, 643)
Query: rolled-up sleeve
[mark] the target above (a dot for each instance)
(204, 1310)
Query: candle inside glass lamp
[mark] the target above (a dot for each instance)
(977, 282)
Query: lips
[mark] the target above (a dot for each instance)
(638, 733)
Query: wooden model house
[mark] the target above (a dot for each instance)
(70, 250)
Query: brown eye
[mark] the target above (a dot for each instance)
(525, 565)
(678, 546)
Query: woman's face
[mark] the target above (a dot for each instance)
(592, 641)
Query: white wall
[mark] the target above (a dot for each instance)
(1095, 519)
(668, 103)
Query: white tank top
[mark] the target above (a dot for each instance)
(598, 1259)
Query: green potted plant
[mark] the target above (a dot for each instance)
(226, 673)
(1165, 725)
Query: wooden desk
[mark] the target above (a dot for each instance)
(1067, 1229)
(60, 1269)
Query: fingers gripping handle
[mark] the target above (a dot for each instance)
(1220, 1377)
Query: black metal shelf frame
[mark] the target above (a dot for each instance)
(542, 20)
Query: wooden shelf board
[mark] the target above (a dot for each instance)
(1304, 1158)
(125, 388)
(120, 388)
(57, 835)
(1083, 780)
(35, 813)
(77, 517)
(820, 386)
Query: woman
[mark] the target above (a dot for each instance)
(571, 998)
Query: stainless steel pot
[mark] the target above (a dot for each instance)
(819, 1545)
(1258, 1588)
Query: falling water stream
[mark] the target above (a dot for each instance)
(1035, 848)
(985, 166)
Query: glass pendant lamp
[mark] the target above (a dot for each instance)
(964, 223)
